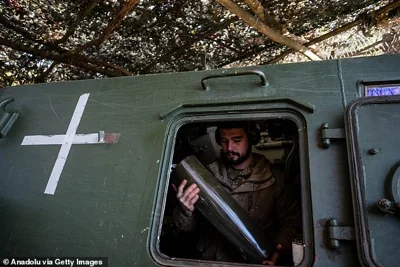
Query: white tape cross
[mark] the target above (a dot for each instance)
(66, 145)
(65, 141)
(79, 139)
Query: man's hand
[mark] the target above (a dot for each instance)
(187, 197)
(274, 257)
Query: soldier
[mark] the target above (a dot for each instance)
(254, 184)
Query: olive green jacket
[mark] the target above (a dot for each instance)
(261, 193)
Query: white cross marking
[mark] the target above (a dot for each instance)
(79, 139)
(67, 140)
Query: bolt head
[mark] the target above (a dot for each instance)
(373, 151)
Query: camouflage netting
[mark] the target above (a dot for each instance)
(55, 40)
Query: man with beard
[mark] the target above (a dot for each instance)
(255, 185)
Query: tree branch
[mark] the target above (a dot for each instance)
(265, 16)
(250, 51)
(256, 50)
(378, 13)
(222, 44)
(116, 21)
(266, 30)
(110, 28)
(79, 19)
(192, 41)
(30, 36)
(257, 8)
(71, 60)
(43, 76)
(262, 14)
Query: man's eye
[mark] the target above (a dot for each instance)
(237, 140)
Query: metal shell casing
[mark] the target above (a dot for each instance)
(224, 212)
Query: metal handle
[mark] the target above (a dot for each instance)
(7, 118)
(264, 82)
(5, 102)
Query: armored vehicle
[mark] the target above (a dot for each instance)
(85, 166)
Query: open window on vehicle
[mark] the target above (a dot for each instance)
(280, 141)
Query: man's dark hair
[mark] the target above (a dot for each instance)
(251, 129)
(233, 124)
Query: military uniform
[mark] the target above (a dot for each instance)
(260, 192)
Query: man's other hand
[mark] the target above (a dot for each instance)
(187, 197)
(274, 257)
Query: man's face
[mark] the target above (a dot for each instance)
(235, 145)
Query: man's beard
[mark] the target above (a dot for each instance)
(239, 160)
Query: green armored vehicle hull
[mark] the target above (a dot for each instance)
(86, 167)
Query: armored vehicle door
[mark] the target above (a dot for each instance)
(372, 132)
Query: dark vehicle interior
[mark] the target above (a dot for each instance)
(278, 143)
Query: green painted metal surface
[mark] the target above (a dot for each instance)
(109, 196)
(373, 130)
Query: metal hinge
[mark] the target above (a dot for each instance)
(328, 134)
(337, 233)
